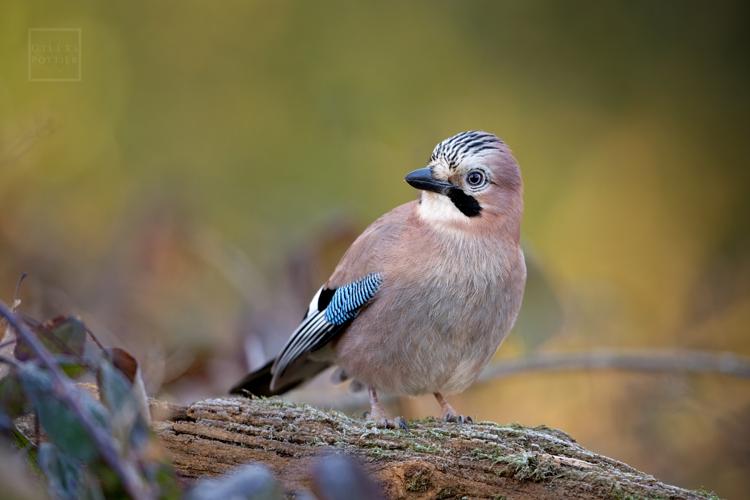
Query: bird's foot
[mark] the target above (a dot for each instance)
(380, 417)
(383, 422)
(459, 419)
(449, 414)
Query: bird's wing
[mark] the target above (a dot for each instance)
(367, 255)
(354, 283)
(330, 311)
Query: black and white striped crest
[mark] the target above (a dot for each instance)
(465, 144)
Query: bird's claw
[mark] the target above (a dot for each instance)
(390, 423)
(401, 423)
(459, 419)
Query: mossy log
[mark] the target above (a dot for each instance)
(433, 459)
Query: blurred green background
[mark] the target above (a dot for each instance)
(214, 161)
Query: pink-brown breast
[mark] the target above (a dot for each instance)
(447, 301)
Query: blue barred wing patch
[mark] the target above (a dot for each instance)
(348, 299)
(318, 326)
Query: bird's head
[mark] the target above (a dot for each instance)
(471, 178)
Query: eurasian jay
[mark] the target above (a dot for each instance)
(423, 298)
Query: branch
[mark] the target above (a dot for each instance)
(65, 389)
(637, 360)
(683, 361)
(432, 460)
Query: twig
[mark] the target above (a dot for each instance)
(18, 288)
(24, 144)
(13, 308)
(230, 262)
(37, 430)
(8, 361)
(679, 361)
(96, 340)
(7, 343)
(65, 390)
(637, 361)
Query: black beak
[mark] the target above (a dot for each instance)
(422, 179)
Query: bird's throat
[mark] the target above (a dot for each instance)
(438, 208)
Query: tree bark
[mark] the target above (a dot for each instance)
(433, 459)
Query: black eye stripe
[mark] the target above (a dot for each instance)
(468, 205)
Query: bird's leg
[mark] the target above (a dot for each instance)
(379, 416)
(449, 414)
(377, 412)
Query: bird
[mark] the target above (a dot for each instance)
(423, 298)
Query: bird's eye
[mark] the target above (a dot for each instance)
(475, 178)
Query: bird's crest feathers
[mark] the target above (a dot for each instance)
(455, 149)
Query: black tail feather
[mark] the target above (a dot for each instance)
(258, 383)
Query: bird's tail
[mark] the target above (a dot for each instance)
(258, 383)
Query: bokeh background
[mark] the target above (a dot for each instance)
(189, 194)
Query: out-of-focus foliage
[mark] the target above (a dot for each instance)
(215, 160)
(73, 462)
(338, 477)
(18, 483)
(250, 481)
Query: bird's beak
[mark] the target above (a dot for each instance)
(422, 179)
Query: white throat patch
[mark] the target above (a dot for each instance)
(435, 207)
